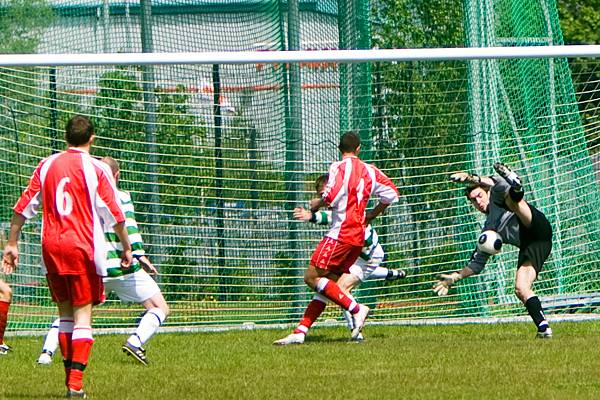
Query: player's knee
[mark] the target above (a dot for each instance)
(516, 196)
(5, 292)
(522, 291)
(310, 278)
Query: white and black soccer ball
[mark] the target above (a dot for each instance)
(489, 242)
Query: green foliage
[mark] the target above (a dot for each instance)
(421, 113)
(22, 23)
(579, 21)
(580, 24)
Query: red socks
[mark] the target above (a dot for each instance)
(65, 333)
(3, 318)
(333, 292)
(313, 311)
(81, 344)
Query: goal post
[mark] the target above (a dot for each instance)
(211, 186)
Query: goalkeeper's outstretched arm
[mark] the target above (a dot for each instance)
(442, 286)
(469, 179)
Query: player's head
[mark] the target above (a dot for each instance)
(349, 143)
(79, 131)
(320, 183)
(479, 196)
(114, 166)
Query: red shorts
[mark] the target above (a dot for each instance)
(335, 256)
(78, 290)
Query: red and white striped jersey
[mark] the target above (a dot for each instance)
(351, 184)
(77, 197)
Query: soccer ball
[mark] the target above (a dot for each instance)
(489, 242)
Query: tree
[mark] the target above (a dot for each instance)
(580, 24)
(579, 21)
(22, 23)
(420, 114)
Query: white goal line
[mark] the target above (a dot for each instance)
(271, 57)
(250, 326)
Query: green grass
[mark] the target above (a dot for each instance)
(500, 361)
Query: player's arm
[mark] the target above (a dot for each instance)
(126, 255)
(447, 280)
(147, 265)
(375, 212)
(475, 266)
(10, 258)
(320, 217)
(25, 208)
(469, 179)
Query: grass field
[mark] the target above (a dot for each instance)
(501, 361)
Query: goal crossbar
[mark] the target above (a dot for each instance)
(246, 57)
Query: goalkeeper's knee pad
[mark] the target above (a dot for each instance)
(516, 196)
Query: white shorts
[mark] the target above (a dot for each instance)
(132, 288)
(362, 268)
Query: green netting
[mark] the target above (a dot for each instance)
(217, 156)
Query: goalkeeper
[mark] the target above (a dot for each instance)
(500, 197)
(366, 266)
(131, 284)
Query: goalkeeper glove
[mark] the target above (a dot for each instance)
(446, 280)
(465, 178)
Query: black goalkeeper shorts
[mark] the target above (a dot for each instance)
(536, 241)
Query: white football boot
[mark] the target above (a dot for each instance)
(292, 338)
(45, 358)
(359, 320)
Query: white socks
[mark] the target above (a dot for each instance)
(147, 327)
(51, 341)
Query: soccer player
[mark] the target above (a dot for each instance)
(367, 265)
(518, 223)
(77, 197)
(131, 284)
(351, 183)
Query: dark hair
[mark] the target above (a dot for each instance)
(321, 181)
(349, 142)
(79, 130)
(469, 189)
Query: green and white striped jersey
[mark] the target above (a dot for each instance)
(113, 266)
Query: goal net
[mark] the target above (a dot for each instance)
(216, 156)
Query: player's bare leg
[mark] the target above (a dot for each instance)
(324, 283)
(314, 309)
(317, 279)
(525, 277)
(157, 311)
(329, 289)
(521, 210)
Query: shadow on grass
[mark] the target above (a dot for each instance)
(322, 338)
(12, 395)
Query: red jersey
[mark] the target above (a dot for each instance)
(77, 196)
(351, 184)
